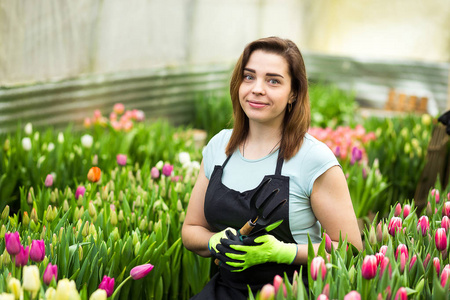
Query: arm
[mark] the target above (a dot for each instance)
(332, 205)
(195, 232)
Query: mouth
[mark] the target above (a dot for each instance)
(256, 104)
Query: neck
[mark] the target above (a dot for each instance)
(261, 141)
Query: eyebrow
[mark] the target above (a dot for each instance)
(267, 74)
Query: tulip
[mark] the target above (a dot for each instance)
(121, 159)
(277, 283)
(412, 262)
(37, 251)
(406, 210)
(379, 257)
(67, 289)
(369, 267)
(87, 141)
(184, 158)
(31, 279)
(141, 271)
(50, 294)
(49, 180)
(445, 275)
(402, 249)
(327, 242)
(401, 294)
(426, 260)
(380, 232)
(119, 108)
(440, 239)
(437, 265)
(12, 242)
(372, 236)
(14, 287)
(385, 264)
(322, 297)
(317, 266)
(94, 174)
(446, 209)
(154, 173)
(395, 224)
(26, 144)
(80, 191)
(423, 225)
(403, 260)
(398, 210)
(353, 295)
(435, 194)
(383, 249)
(267, 292)
(50, 272)
(445, 223)
(107, 284)
(28, 129)
(356, 155)
(22, 257)
(167, 170)
(99, 294)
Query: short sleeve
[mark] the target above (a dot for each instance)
(214, 151)
(321, 158)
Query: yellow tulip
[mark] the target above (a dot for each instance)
(66, 290)
(31, 279)
(98, 295)
(5, 296)
(14, 287)
(50, 293)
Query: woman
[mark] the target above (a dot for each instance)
(268, 149)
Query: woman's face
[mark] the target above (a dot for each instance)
(266, 88)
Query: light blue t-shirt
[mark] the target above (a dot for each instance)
(241, 174)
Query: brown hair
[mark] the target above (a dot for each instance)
(296, 122)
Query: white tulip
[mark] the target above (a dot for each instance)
(26, 144)
(5, 296)
(28, 129)
(50, 147)
(87, 141)
(31, 279)
(184, 158)
(98, 295)
(159, 164)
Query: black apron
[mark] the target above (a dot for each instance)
(225, 207)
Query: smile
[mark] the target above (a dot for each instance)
(256, 104)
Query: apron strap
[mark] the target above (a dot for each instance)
(226, 161)
(280, 162)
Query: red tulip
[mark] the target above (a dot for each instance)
(318, 266)
(423, 225)
(141, 271)
(12, 243)
(437, 265)
(406, 210)
(446, 209)
(445, 223)
(395, 224)
(22, 257)
(353, 295)
(445, 274)
(441, 239)
(397, 210)
(107, 284)
(369, 267)
(37, 251)
(401, 294)
(50, 272)
(94, 175)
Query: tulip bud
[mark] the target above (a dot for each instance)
(412, 262)
(435, 194)
(6, 258)
(406, 210)
(5, 213)
(401, 249)
(380, 232)
(398, 210)
(317, 267)
(353, 295)
(137, 247)
(182, 217)
(402, 294)
(91, 209)
(423, 225)
(372, 236)
(33, 215)
(369, 267)
(92, 230)
(446, 209)
(6, 145)
(445, 275)
(48, 180)
(2, 231)
(440, 239)
(85, 230)
(113, 218)
(143, 224)
(385, 264)
(107, 284)
(385, 233)
(379, 257)
(437, 265)
(22, 257)
(445, 223)
(51, 271)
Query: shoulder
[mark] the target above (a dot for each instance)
(315, 149)
(214, 151)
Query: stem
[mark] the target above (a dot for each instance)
(119, 287)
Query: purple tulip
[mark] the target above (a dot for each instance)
(80, 191)
(22, 257)
(107, 284)
(167, 170)
(369, 267)
(37, 251)
(50, 272)
(356, 155)
(154, 173)
(141, 271)
(49, 180)
(12, 242)
(121, 159)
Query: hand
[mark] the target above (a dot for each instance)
(239, 254)
(216, 239)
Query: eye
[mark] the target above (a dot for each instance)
(274, 81)
(248, 77)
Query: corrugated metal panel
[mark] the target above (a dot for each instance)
(166, 93)
(372, 79)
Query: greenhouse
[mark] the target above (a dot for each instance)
(203, 149)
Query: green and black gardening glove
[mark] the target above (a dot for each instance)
(239, 253)
(216, 239)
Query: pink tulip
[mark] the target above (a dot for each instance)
(22, 257)
(118, 108)
(402, 249)
(440, 239)
(423, 225)
(277, 283)
(435, 194)
(369, 267)
(49, 180)
(326, 290)
(167, 170)
(50, 272)
(445, 223)
(406, 210)
(107, 284)
(154, 173)
(317, 266)
(412, 262)
(322, 297)
(327, 243)
(426, 260)
(380, 232)
(437, 265)
(398, 210)
(353, 295)
(448, 196)
(379, 257)
(267, 292)
(12, 243)
(445, 275)
(121, 159)
(446, 209)
(403, 260)
(37, 251)
(141, 271)
(401, 294)
(383, 249)
(80, 191)
(395, 224)
(385, 264)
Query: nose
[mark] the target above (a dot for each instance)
(258, 88)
